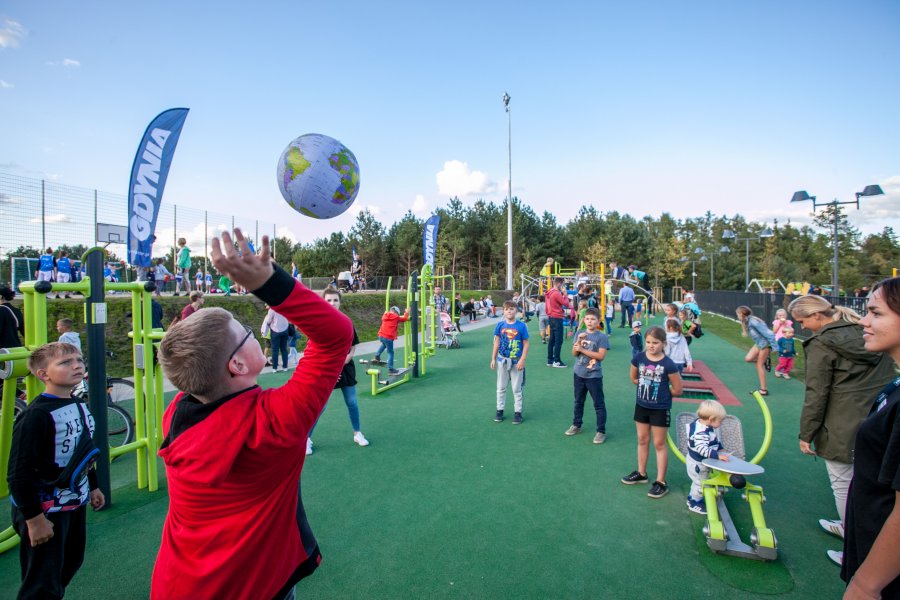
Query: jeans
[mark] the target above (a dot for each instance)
(594, 385)
(609, 321)
(388, 345)
(556, 339)
(279, 341)
(627, 312)
(349, 393)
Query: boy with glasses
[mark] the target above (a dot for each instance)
(236, 526)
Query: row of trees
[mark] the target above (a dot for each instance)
(472, 246)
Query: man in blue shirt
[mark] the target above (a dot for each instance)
(626, 297)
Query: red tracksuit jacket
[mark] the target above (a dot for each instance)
(236, 527)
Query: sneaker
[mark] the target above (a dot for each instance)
(550, 364)
(360, 439)
(634, 477)
(573, 430)
(658, 490)
(393, 372)
(517, 418)
(768, 363)
(309, 446)
(559, 365)
(836, 556)
(696, 506)
(599, 438)
(785, 375)
(498, 418)
(835, 528)
(777, 373)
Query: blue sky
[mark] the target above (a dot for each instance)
(640, 107)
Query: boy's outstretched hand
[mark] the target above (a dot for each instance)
(244, 268)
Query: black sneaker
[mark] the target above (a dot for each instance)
(393, 372)
(658, 490)
(559, 365)
(499, 416)
(634, 477)
(768, 364)
(517, 418)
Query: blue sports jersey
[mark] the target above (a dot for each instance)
(46, 263)
(63, 265)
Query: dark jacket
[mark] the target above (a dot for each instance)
(842, 380)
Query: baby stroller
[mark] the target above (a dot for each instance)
(449, 332)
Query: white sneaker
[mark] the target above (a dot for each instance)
(836, 556)
(835, 528)
(360, 439)
(309, 446)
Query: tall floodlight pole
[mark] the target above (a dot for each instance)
(509, 246)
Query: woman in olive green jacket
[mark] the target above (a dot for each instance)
(842, 377)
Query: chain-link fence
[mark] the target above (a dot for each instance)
(37, 214)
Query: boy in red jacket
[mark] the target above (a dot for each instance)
(236, 526)
(387, 334)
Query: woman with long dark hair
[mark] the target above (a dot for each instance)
(871, 565)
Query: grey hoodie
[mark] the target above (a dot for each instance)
(842, 381)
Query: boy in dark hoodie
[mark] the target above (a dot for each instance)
(236, 527)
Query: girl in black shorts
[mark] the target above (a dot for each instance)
(657, 380)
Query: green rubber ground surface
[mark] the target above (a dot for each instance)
(446, 503)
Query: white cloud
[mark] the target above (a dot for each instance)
(418, 206)
(456, 179)
(285, 232)
(11, 33)
(69, 63)
(5, 85)
(7, 199)
(60, 218)
(874, 212)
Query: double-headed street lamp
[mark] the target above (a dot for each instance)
(712, 263)
(729, 235)
(802, 196)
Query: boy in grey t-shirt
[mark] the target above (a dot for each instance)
(589, 351)
(64, 327)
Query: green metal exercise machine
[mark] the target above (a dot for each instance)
(721, 534)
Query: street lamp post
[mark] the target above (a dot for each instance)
(509, 246)
(712, 262)
(802, 196)
(729, 235)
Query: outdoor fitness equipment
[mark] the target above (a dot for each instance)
(419, 332)
(148, 396)
(721, 534)
(382, 382)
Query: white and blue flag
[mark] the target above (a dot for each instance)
(429, 239)
(148, 179)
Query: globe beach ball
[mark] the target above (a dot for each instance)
(318, 176)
